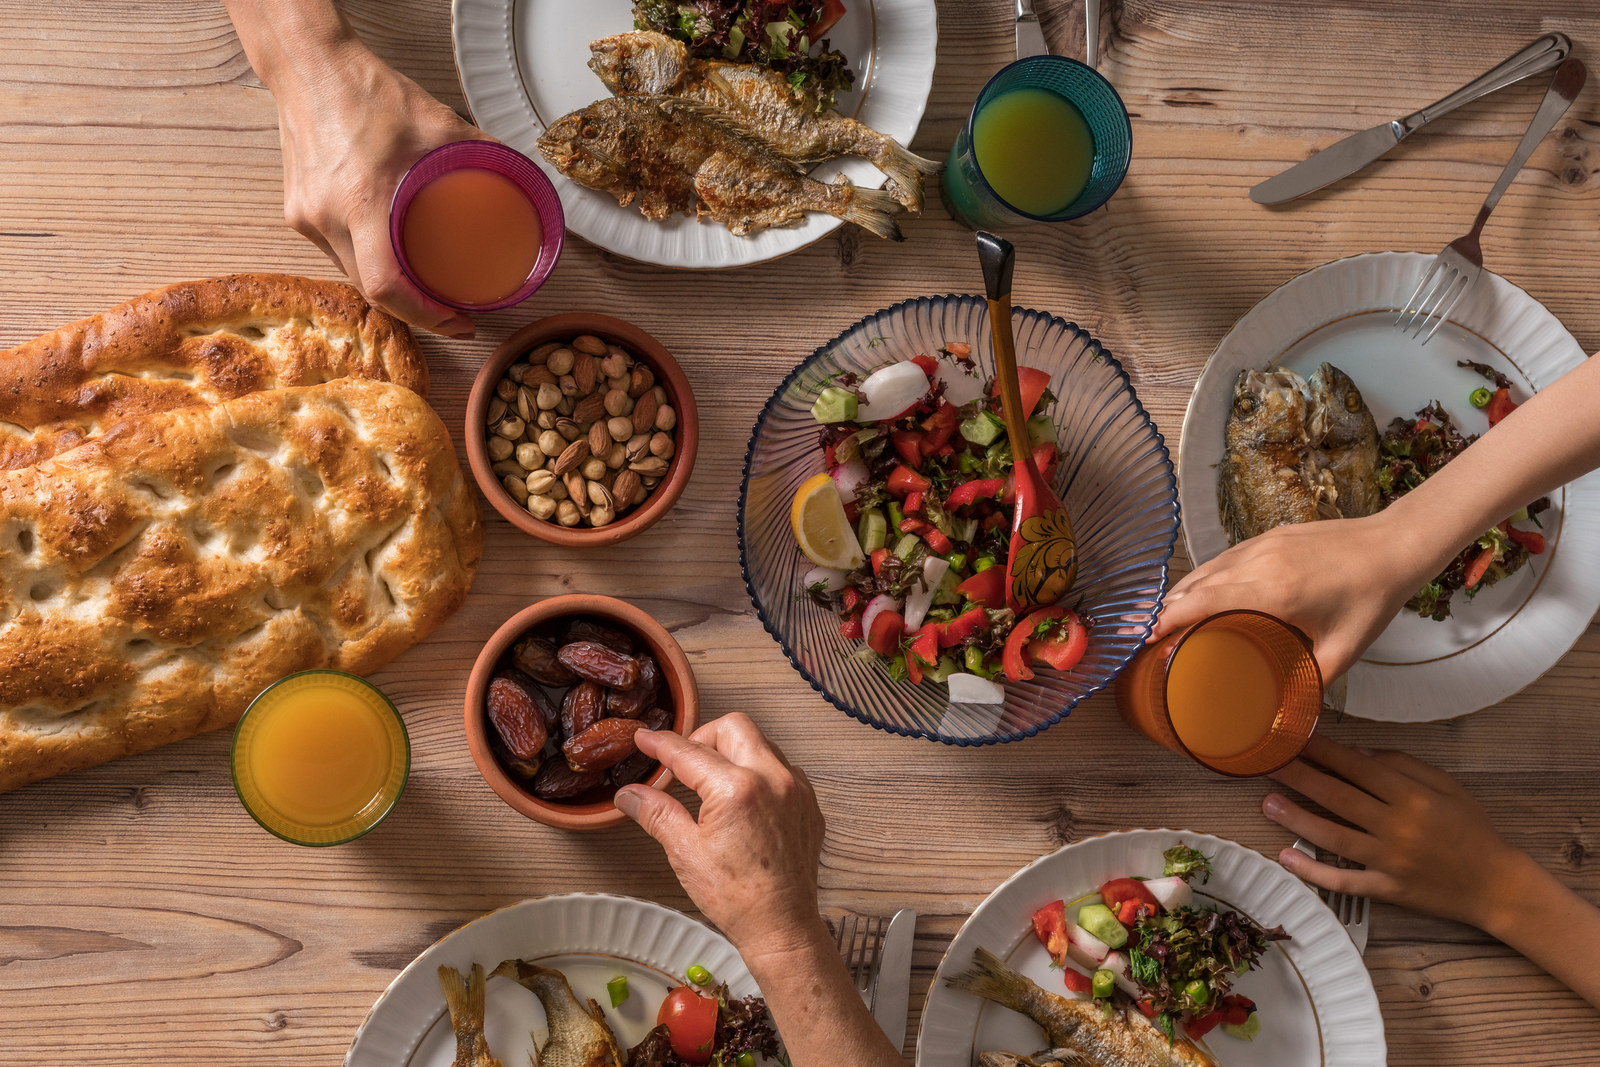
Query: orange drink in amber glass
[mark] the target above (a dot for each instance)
(1239, 692)
(320, 757)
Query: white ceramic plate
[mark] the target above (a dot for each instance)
(1501, 640)
(1316, 1001)
(523, 65)
(589, 937)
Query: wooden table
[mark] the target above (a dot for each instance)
(143, 916)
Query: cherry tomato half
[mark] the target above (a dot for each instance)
(691, 1022)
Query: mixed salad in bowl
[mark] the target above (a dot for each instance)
(909, 524)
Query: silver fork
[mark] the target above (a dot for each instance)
(861, 946)
(1352, 912)
(1459, 266)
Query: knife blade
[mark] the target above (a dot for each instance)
(891, 990)
(1346, 156)
(1030, 38)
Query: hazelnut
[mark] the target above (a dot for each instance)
(594, 468)
(560, 361)
(541, 507)
(549, 396)
(517, 489)
(661, 446)
(530, 456)
(541, 483)
(618, 403)
(666, 418)
(551, 443)
(567, 513)
(499, 449)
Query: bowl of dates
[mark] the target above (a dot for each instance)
(556, 697)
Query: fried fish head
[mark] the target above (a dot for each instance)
(1268, 407)
(640, 63)
(573, 144)
(1340, 415)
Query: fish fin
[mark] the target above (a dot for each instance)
(874, 210)
(1225, 510)
(906, 170)
(455, 991)
(991, 979)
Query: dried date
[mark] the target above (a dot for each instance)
(603, 745)
(631, 703)
(638, 767)
(536, 657)
(583, 706)
(557, 781)
(588, 630)
(517, 718)
(600, 663)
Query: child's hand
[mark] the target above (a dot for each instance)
(1425, 843)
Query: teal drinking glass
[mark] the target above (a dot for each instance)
(971, 199)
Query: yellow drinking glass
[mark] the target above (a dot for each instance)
(320, 757)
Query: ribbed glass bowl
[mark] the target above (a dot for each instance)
(1115, 479)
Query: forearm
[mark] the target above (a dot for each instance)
(294, 44)
(1536, 914)
(817, 1010)
(1545, 443)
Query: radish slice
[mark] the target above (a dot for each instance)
(959, 386)
(849, 478)
(891, 391)
(1117, 964)
(1171, 892)
(1083, 948)
(879, 603)
(920, 599)
(832, 580)
(970, 689)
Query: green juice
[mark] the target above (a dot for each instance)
(1034, 148)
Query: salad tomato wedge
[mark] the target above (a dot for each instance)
(691, 1022)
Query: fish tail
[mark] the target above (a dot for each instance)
(906, 170)
(455, 990)
(873, 210)
(464, 997)
(991, 979)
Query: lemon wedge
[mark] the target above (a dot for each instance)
(820, 526)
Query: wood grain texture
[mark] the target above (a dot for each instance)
(143, 916)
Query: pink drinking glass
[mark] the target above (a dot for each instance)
(508, 163)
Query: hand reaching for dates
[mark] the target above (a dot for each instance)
(750, 862)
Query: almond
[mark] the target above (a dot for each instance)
(599, 439)
(590, 408)
(571, 457)
(537, 376)
(644, 414)
(585, 368)
(640, 380)
(626, 487)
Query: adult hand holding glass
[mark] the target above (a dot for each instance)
(750, 865)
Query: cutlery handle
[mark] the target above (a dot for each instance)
(997, 257)
(1564, 88)
(1025, 10)
(1542, 54)
(1091, 28)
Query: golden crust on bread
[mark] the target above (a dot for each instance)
(194, 343)
(154, 580)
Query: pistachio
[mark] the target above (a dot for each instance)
(666, 418)
(660, 395)
(506, 468)
(640, 380)
(599, 439)
(529, 456)
(567, 513)
(558, 492)
(542, 353)
(516, 371)
(499, 449)
(510, 427)
(644, 413)
(568, 386)
(571, 456)
(626, 487)
(527, 404)
(549, 396)
(541, 507)
(594, 468)
(546, 420)
(505, 390)
(638, 447)
(551, 443)
(642, 495)
(599, 495)
(649, 467)
(566, 405)
(560, 361)
(541, 482)
(569, 429)
(584, 369)
(661, 446)
(497, 410)
(618, 403)
(537, 376)
(601, 515)
(615, 365)
(619, 428)
(590, 408)
(517, 488)
(616, 456)
(589, 343)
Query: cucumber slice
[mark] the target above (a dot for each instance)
(906, 545)
(1041, 430)
(1245, 1031)
(872, 530)
(834, 405)
(1100, 921)
(982, 428)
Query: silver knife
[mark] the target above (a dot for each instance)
(1357, 150)
(891, 990)
(1030, 38)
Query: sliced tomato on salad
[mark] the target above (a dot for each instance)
(1050, 927)
(961, 628)
(1011, 657)
(908, 446)
(986, 589)
(1034, 382)
(923, 651)
(1533, 542)
(929, 365)
(1500, 405)
(941, 426)
(691, 1022)
(1062, 647)
(1076, 980)
(903, 480)
(1232, 1009)
(887, 630)
(971, 492)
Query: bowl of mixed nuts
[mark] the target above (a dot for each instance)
(581, 429)
(556, 697)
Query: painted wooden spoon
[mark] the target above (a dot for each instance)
(1044, 552)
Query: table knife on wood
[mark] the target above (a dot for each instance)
(1030, 38)
(891, 993)
(1349, 155)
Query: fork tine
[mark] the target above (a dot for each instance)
(1444, 312)
(847, 936)
(875, 951)
(1413, 304)
(1365, 912)
(1442, 301)
(867, 964)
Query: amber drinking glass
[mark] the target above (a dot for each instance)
(1239, 692)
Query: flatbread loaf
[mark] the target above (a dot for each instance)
(194, 343)
(154, 580)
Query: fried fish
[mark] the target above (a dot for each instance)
(645, 63)
(1268, 476)
(1081, 1029)
(465, 1001)
(670, 155)
(579, 1036)
(1344, 436)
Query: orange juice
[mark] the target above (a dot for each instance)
(1223, 692)
(471, 236)
(320, 757)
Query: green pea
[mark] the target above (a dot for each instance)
(698, 975)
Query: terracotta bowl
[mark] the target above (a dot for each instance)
(668, 375)
(675, 672)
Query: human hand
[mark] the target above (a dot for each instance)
(349, 134)
(1339, 580)
(1425, 843)
(750, 862)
